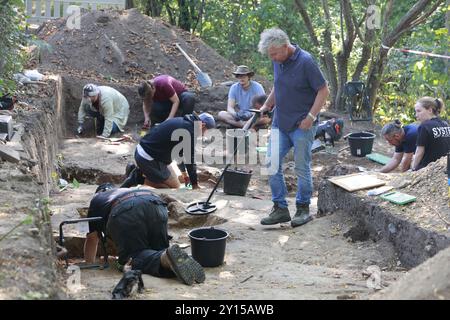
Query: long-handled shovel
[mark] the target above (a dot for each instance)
(202, 77)
(206, 207)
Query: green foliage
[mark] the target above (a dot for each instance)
(11, 39)
(34, 295)
(27, 221)
(233, 29)
(75, 183)
(409, 77)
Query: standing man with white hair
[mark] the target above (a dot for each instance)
(107, 105)
(299, 92)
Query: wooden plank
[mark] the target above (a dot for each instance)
(57, 9)
(38, 12)
(355, 182)
(36, 16)
(48, 9)
(65, 6)
(29, 11)
(9, 154)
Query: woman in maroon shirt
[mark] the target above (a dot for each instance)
(164, 98)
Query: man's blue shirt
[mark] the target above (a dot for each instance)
(296, 83)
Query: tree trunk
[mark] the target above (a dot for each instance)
(184, 19)
(327, 59)
(153, 8)
(344, 54)
(235, 34)
(365, 54)
(368, 43)
(374, 76)
(199, 17)
(129, 4)
(172, 18)
(413, 17)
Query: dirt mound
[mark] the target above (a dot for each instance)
(429, 185)
(126, 46)
(430, 280)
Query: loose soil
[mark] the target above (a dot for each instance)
(332, 257)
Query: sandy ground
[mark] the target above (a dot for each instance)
(314, 261)
(311, 262)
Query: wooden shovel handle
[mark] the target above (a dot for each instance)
(188, 58)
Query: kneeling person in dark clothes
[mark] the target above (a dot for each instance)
(136, 220)
(153, 154)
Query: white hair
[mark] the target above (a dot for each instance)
(273, 37)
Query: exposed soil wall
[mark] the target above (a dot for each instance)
(413, 244)
(424, 282)
(27, 269)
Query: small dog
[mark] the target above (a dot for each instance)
(127, 285)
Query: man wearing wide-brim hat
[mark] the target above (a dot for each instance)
(240, 98)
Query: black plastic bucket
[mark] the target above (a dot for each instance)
(237, 138)
(235, 181)
(208, 245)
(361, 143)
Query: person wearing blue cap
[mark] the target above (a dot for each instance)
(155, 152)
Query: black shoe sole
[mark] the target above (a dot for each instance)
(270, 224)
(185, 268)
(296, 224)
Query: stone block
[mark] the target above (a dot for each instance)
(6, 125)
(9, 154)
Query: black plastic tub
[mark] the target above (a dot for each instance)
(208, 245)
(237, 139)
(361, 143)
(235, 181)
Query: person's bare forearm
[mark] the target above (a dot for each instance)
(420, 151)
(174, 110)
(146, 109)
(391, 165)
(270, 101)
(230, 107)
(405, 165)
(320, 100)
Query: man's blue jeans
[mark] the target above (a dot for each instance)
(101, 121)
(280, 143)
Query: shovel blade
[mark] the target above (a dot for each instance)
(204, 80)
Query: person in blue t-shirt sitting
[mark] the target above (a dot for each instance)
(240, 98)
(404, 139)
